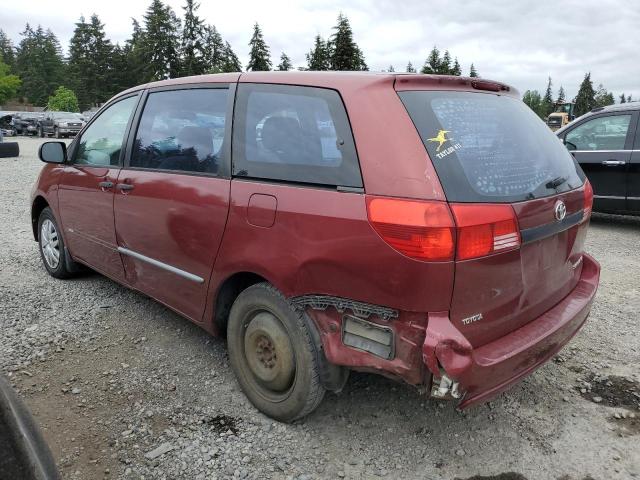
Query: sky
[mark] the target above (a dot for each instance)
(520, 42)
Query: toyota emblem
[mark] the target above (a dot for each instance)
(560, 210)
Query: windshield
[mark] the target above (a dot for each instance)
(490, 148)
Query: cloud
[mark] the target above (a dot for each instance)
(521, 43)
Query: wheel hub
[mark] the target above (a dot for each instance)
(269, 352)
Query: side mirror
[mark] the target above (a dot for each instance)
(53, 152)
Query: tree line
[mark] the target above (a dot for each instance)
(586, 99)
(162, 45)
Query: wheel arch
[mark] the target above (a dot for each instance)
(227, 293)
(38, 205)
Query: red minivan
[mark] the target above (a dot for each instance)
(427, 228)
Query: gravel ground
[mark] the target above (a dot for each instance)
(124, 388)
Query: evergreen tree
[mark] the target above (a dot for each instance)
(285, 63)
(473, 73)
(432, 64)
(160, 42)
(344, 53)
(391, 69)
(133, 52)
(318, 57)
(410, 68)
(585, 99)
(629, 99)
(193, 45)
(603, 97)
(456, 70)
(91, 73)
(214, 49)
(7, 52)
(445, 64)
(623, 99)
(547, 100)
(259, 55)
(561, 95)
(533, 100)
(230, 61)
(39, 64)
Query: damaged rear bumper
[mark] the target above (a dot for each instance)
(483, 372)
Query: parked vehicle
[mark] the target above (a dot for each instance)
(7, 149)
(606, 144)
(26, 123)
(443, 246)
(60, 124)
(24, 454)
(563, 114)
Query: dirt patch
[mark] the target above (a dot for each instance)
(500, 476)
(612, 391)
(224, 423)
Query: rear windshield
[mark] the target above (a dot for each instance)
(490, 148)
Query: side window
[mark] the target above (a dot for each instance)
(601, 133)
(182, 130)
(101, 143)
(292, 133)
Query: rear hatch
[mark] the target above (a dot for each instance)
(518, 201)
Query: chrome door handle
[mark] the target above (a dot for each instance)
(124, 186)
(613, 163)
(105, 184)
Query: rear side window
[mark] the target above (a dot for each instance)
(181, 130)
(601, 133)
(490, 148)
(291, 133)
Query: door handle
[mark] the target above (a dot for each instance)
(106, 184)
(124, 186)
(613, 163)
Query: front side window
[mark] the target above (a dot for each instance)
(292, 133)
(101, 143)
(182, 130)
(601, 133)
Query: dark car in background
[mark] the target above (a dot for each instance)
(26, 123)
(60, 124)
(606, 144)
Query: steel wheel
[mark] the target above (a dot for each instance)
(50, 244)
(269, 353)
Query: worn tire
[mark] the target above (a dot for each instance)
(303, 392)
(61, 269)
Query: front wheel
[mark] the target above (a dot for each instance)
(273, 355)
(51, 244)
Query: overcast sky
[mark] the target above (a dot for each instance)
(518, 42)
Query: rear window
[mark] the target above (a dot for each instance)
(490, 148)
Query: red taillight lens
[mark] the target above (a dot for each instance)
(588, 200)
(418, 229)
(484, 229)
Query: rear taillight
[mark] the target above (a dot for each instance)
(423, 230)
(588, 201)
(485, 229)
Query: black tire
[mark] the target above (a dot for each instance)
(61, 269)
(261, 317)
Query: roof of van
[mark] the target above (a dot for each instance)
(336, 78)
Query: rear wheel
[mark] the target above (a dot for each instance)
(273, 355)
(52, 251)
